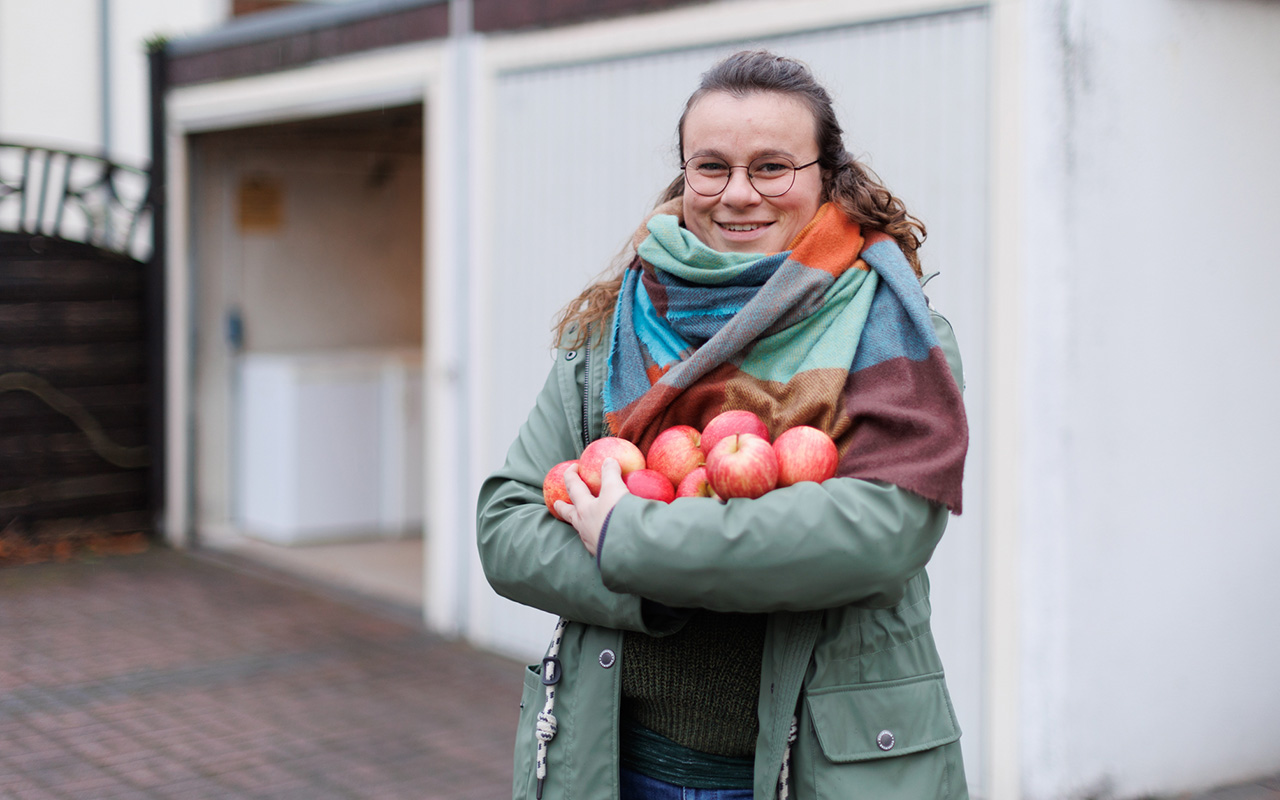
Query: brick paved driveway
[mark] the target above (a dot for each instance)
(165, 675)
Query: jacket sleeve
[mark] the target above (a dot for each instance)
(528, 555)
(804, 547)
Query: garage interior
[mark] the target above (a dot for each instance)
(308, 244)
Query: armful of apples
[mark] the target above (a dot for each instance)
(731, 457)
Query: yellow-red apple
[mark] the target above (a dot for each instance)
(730, 422)
(553, 488)
(676, 452)
(742, 465)
(695, 484)
(651, 485)
(805, 454)
(592, 459)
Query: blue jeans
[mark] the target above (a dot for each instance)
(641, 787)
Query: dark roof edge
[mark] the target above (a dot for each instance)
(267, 25)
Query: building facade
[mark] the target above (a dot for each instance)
(398, 174)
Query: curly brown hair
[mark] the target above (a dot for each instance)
(846, 183)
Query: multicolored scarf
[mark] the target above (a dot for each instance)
(834, 333)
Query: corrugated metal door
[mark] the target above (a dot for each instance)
(581, 153)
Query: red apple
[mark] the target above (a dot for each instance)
(592, 459)
(651, 485)
(742, 465)
(805, 454)
(553, 487)
(695, 484)
(676, 452)
(729, 422)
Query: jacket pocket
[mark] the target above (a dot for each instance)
(532, 698)
(894, 739)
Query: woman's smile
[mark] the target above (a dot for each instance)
(743, 226)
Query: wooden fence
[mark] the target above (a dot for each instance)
(76, 392)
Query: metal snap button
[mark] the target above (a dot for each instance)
(885, 740)
(607, 658)
(571, 355)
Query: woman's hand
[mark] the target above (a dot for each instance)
(588, 512)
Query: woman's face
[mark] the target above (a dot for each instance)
(738, 130)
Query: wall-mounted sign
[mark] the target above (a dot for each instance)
(261, 200)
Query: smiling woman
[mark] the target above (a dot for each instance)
(768, 645)
(740, 98)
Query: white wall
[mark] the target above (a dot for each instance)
(1151, 388)
(345, 268)
(51, 60)
(132, 23)
(49, 57)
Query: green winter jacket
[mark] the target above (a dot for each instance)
(838, 566)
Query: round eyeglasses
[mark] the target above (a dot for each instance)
(771, 176)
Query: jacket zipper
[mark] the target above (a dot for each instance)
(586, 388)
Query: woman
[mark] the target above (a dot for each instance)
(779, 645)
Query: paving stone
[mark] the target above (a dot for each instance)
(178, 677)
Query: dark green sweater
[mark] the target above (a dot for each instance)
(699, 686)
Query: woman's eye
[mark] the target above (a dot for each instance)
(711, 167)
(770, 168)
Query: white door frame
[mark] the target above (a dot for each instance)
(392, 77)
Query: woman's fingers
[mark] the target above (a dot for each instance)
(611, 484)
(588, 512)
(579, 492)
(567, 512)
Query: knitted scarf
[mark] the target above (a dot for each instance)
(833, 333)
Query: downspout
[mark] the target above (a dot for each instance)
(158, 62)
(460, 32)
(1004, 562)
(104, 72)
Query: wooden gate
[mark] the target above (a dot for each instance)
(78, 389)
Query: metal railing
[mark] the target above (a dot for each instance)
(76, 197)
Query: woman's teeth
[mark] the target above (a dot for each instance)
(753, 226)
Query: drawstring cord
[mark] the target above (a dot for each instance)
(546, 725)
(784, 778)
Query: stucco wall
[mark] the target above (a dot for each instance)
(1149, 543)
(51, 69)
(47, 89)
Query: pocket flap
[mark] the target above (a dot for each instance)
(881, 720)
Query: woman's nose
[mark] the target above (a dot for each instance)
(739, 191)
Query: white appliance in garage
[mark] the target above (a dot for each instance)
(328, 445)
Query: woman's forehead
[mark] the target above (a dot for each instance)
(759, 120)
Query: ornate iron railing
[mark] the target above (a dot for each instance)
(76, 197)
